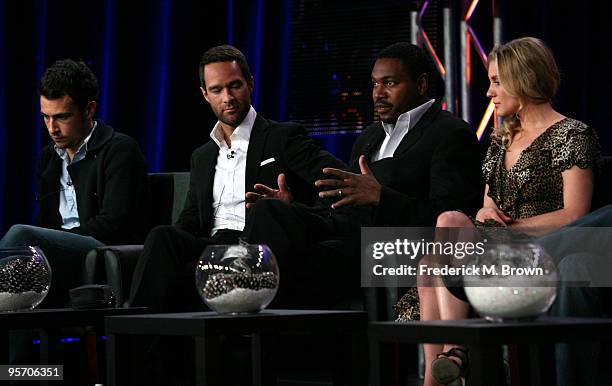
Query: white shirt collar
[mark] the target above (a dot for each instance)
(241, 134)
(409, 119)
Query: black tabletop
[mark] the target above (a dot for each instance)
(199, 323)
(61, 317)
(480, 331)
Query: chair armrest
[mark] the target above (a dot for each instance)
(93, 268)
(119, 263)
(113, 265)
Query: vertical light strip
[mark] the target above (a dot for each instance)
(230, 22)
(468, 58)
(3, 157)
(39, 58)
(496, 119)
(39, 67)
(465, 87)
(485, 120)
(105, 71)
(156, 152)
(257, 53)
(449, 62)
(285, 48)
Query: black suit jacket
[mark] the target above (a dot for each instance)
(295, 154)
(436, 168)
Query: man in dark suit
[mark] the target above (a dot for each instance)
(245, 148)
(405, 170)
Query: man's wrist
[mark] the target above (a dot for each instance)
(377, 196)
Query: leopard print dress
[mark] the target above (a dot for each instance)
(534, 184)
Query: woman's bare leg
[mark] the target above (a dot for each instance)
(429, 310)
(436, 302)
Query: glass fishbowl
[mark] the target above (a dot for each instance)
(25, 278)
(240, 278)
(513, 282)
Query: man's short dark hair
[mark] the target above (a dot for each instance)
(225, 53)
(72, 78)
(414, 59)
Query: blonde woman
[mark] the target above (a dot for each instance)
(538, 173)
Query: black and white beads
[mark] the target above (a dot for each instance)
(18, 275)
(222, 283)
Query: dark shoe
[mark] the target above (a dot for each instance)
(447, 371)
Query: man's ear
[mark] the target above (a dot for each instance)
(422, 84)
(90, 109)
(204, 94)
(251, 84)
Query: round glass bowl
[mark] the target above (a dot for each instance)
(237, 278)
(515, 282)
(25, 278)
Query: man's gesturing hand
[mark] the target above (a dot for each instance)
(282, 193)
(351, 188)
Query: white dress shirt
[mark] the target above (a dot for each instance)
(67, 196)
(229, 211)
(394, 133)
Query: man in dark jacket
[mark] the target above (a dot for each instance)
(415, 163)
(245, 149)
(92, 180)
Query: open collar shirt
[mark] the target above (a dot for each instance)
(229, 210)
(394, 133)
(67, 197)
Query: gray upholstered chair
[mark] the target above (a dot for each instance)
(114, 265)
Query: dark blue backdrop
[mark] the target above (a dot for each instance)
(146, 60)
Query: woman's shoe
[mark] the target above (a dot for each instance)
(447, 371)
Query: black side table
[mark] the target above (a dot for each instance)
(484, 340)
(206, 327)
(50, 321)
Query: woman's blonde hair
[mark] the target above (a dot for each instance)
(527, 71)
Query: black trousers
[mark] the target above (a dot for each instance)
(318, 252)
(164, 277)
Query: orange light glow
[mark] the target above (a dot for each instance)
(485, 120)
(470, 11)
(431, 50)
